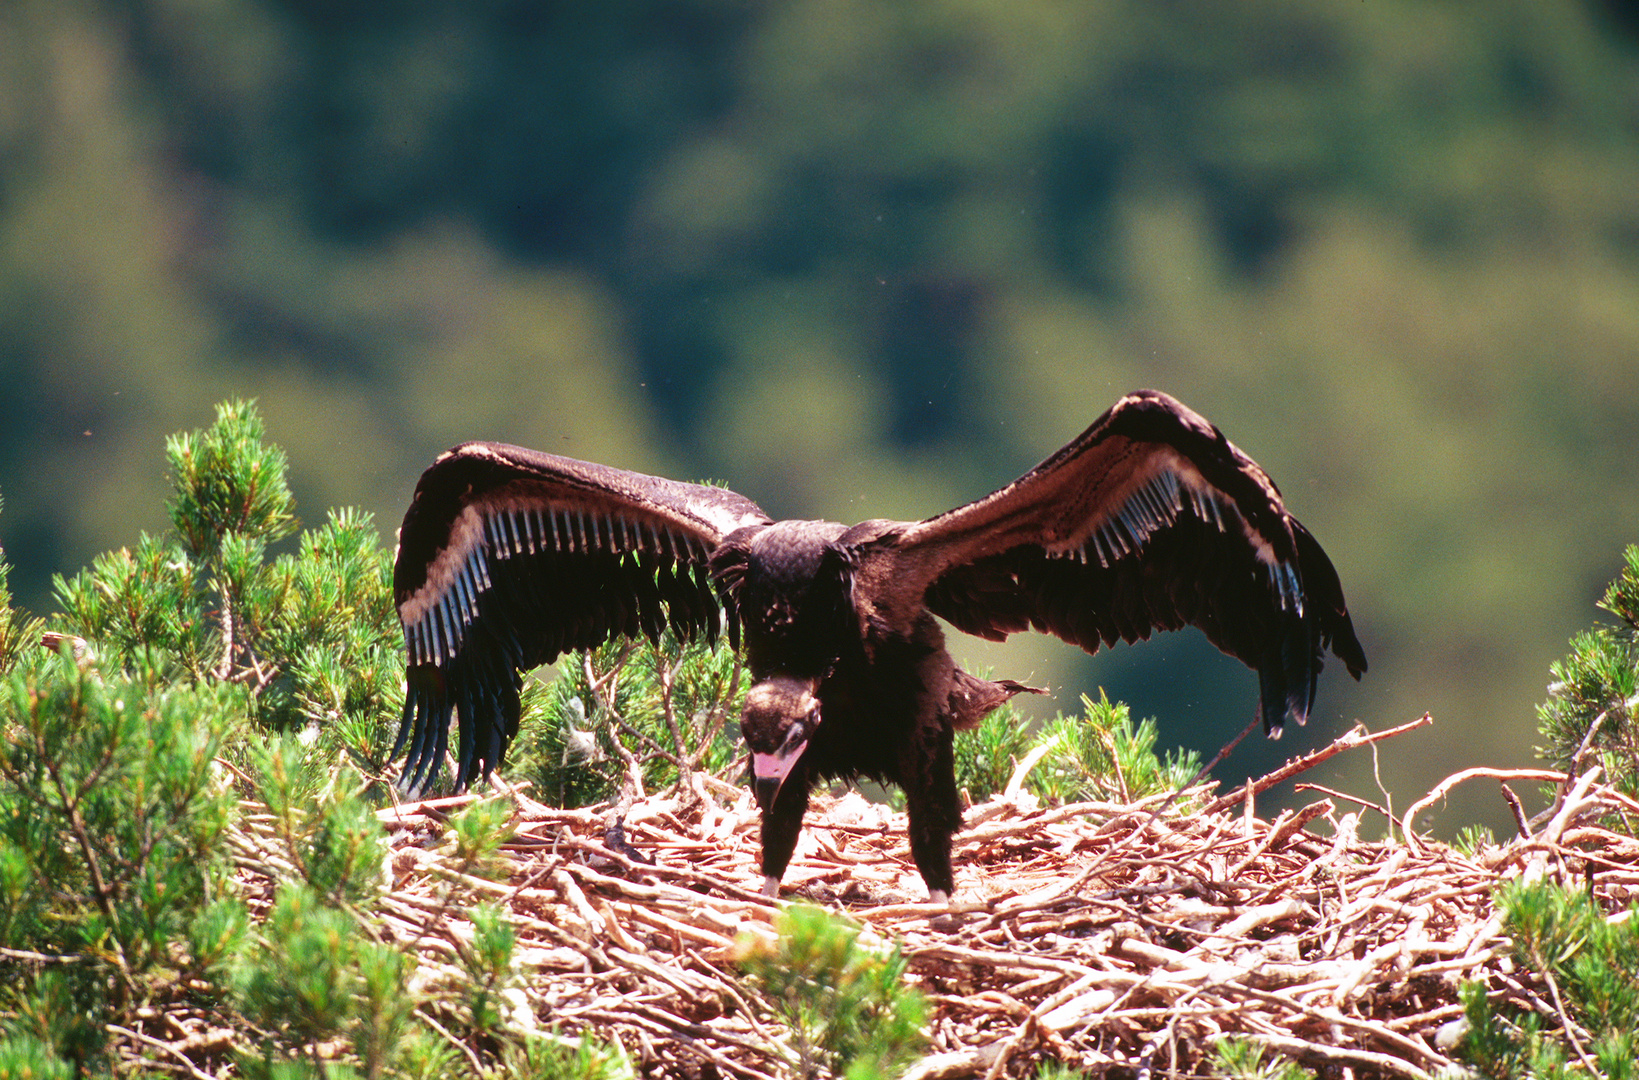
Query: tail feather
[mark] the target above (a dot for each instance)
(972, 698)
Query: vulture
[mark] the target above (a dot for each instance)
(1150, 520)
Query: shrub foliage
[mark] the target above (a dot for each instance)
(193, 761)
(1587, 959)
(188, 795)
(1592, 712)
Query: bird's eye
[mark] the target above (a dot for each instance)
(797, 734)
(809, 721)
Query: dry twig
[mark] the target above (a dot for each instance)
(1341, 953)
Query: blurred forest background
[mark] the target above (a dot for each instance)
(869, 258)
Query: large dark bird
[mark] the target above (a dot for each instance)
(1151, 519)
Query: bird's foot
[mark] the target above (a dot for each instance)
(948, 919)
(771, 887)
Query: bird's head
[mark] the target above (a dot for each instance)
(781, 714)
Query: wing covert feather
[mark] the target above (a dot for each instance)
(1150, 520)
(508, 557)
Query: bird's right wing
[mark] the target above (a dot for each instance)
(508, 557)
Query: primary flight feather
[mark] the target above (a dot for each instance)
(1150, 520)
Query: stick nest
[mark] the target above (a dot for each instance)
(1107, 937)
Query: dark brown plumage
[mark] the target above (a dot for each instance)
(1150, 520)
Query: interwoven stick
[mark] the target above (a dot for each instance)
(1329, 949)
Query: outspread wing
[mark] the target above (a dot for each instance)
(1150, 520)
(508, 557)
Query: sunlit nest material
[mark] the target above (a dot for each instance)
(1092, 935)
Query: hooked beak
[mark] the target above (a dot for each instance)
(780, 714)
(768, 771)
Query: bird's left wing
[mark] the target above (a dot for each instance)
(1150, 520)
(508, 557)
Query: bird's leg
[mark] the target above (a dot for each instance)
(782, 823)
(931, 803)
